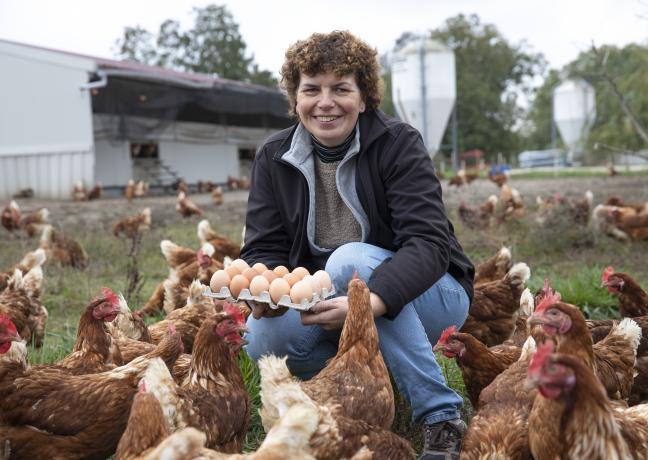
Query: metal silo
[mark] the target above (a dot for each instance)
(424, 87)
(574, 111)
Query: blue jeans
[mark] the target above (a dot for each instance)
(405, 342)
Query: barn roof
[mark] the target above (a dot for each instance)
(131, 88)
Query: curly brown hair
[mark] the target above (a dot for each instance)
(339, 52)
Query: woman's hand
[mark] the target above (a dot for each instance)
(263, 310)
(330, 314)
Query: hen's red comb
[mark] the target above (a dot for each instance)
(548, 300)
(142, 386)
(540, 357)
(355, 275)
(606, 274)
(110, 296)
(234, 312)
(8, 326)
(445, 335)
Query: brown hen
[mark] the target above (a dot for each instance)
(62, 249)
(494, 268)
(133, 225)
(186, 207)
(612, 359)
(493, 312)
(479, 364)
(633, 300)
(78, 416)
(499, 429)
(20, 301)
(580, 414)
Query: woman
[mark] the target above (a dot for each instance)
(349, 189)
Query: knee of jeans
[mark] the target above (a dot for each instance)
(345, 261)
(253, 348)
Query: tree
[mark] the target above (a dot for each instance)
(213, 46)
(386, 103)
(619, 77)
(537, 126)
(491, 73)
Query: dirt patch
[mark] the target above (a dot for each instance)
(65, 212)
(98, 213)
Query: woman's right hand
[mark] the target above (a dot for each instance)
(263, 310)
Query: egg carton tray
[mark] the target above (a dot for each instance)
(284, 301)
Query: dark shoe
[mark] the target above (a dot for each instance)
(443, 440)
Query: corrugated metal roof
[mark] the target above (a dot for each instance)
(152, 71)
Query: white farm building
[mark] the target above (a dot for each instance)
(66, 118)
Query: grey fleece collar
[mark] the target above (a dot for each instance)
(300, 155)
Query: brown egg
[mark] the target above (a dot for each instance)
(240, 264)
(281, 271)
(315, 284)
(269, 275)
(250, 273)
(302, 290)
(238, 283)
(301, 272)
(278, 288)
(259, 267)
(324, 279)
(219, 279)
(291, 278)
(232, 271)
(258, 285)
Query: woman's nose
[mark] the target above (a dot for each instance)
(326, 100)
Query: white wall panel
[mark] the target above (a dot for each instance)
(113, 165)
(196, 162)
(43, 106)
(49, 175)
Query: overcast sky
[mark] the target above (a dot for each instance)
(559, 29)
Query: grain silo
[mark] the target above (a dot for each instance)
(424, 87)
(574, 111)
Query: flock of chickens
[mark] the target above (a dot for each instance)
(559, 386)
(173, 389)
(624, 221)
(545, 382)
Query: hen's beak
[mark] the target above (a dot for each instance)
(535, 320)
(242, 329)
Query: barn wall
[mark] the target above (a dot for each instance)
(195, 151)
(49, 175)
(113, 165)
(196, 162)
(45, 121)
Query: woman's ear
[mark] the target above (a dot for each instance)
(362, 107)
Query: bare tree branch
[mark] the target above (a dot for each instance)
(638, 125)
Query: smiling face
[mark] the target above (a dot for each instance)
(329, 105)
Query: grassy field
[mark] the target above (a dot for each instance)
(571, 256)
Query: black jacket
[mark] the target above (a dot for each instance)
(401, 197)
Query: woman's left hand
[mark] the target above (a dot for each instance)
(329, 314)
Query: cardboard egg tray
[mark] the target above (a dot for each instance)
(225, 294)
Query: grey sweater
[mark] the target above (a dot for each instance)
(334, 221)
